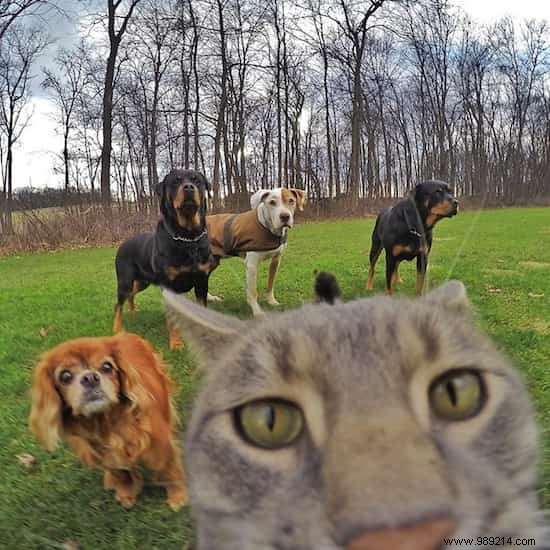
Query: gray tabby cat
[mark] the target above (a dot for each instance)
(380, 424)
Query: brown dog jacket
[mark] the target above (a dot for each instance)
(236, 234)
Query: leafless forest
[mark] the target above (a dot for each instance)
(351, 100)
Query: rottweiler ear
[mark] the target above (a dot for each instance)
(160, 187)
(416, 193)
(206, 182)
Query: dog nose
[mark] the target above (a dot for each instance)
(188, 187)
(427, 535)
(285, 217)
(90, 380)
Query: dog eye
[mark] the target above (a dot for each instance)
(291, 201)
(273, 202)
(457, 395)
(65, 377)
(269, 423)
(106, 367)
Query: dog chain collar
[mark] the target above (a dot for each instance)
(412, 229)
(186, 240)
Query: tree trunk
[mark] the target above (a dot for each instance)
(356, 118)
(105, 184)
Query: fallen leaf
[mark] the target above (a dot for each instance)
(43, 332)
(533, 295)
(26, 460)
(493, 290)
(71, 545)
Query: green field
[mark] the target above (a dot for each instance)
(502, 256)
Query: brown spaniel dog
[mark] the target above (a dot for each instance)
(111, 400)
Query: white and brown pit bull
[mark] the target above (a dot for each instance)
(257, 234)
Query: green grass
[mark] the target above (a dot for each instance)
(503, 257)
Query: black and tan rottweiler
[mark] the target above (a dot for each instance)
(177, 255)
(405, 230)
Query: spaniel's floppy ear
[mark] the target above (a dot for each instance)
(301, 196)
(137, 363)
(45, 420)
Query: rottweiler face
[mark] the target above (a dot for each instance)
(436, 199)
(182, 197)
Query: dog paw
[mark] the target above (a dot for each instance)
(214, 298)
(177, 498)
(257, 311)
(126, 501)
(175, 343)
(272, 301)
(174, 339)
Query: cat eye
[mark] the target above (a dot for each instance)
(65, 377)
(457, 395)
(269, 423)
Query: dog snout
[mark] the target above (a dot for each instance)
(285, 217)
(188, 187)
(90, 380)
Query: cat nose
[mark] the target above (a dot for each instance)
(427, 535)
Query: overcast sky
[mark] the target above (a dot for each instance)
(33, 156)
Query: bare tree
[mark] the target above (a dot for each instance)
(20, 47)
(354, 25)
(66, 87)
(115, 38)
(11, 10)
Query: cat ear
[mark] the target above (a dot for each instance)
(451, 296)
(208, 330)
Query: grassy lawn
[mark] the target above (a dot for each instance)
(502, 256)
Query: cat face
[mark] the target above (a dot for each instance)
(372, 424)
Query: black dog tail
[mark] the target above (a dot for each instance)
(326, 287)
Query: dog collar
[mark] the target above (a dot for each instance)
(283, 237)
(187, 240)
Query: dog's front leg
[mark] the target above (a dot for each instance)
(201, 291)
(273, 268)
(252, 262)
(421, 266)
